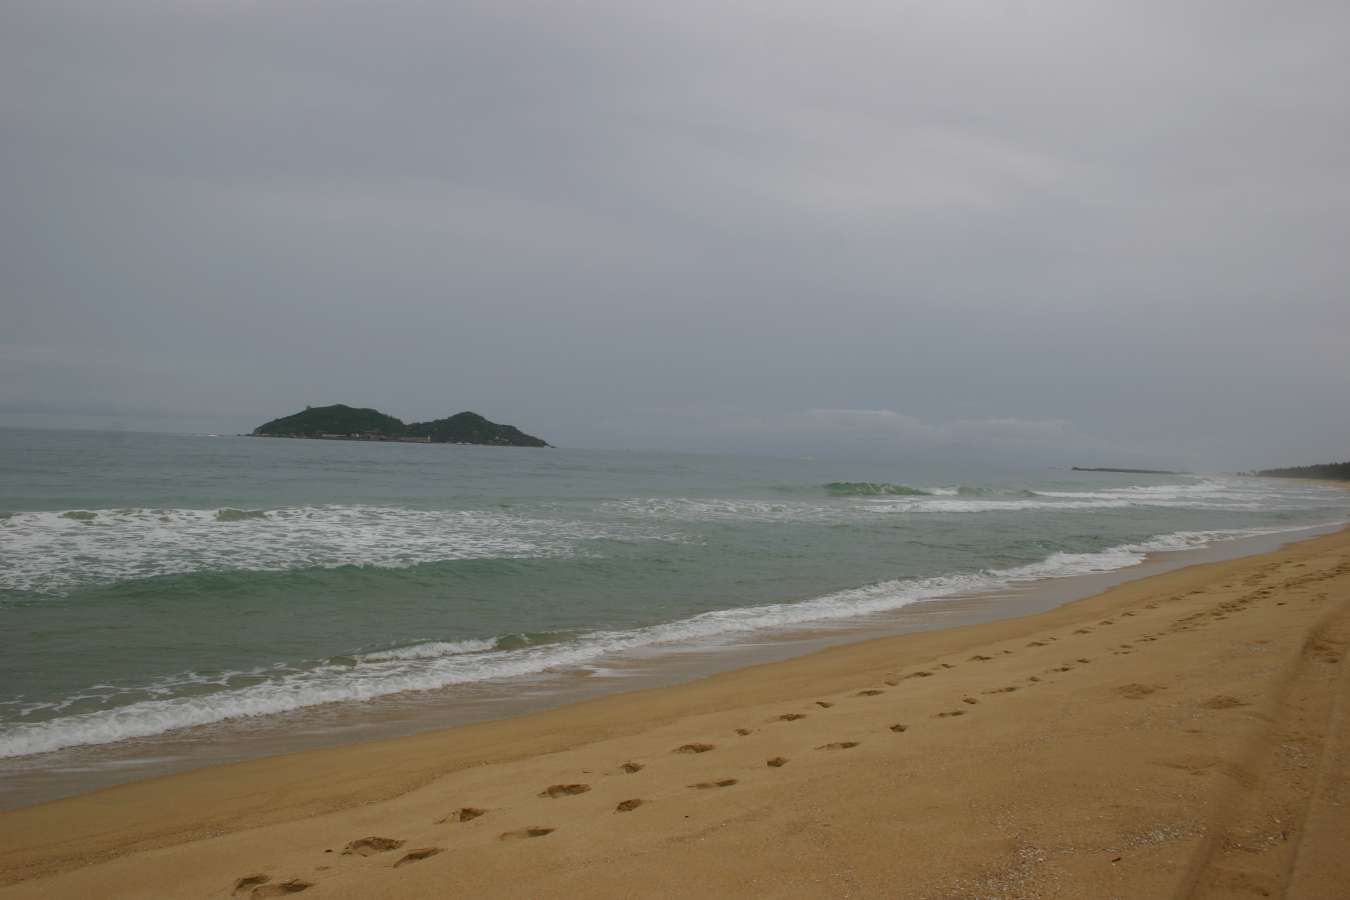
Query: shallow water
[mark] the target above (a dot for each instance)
(151, 583)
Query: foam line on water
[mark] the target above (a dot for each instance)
(434, 665)
(51, 552)
(428, 650)
(867, 500)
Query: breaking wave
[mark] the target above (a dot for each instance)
(432, 665)
(51, 552)
(872, 489)
(859, 500)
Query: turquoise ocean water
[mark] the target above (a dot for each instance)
(151, 583)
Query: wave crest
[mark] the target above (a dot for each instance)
(872, 489)
(435, 665)
(229, 514)
(53, 553)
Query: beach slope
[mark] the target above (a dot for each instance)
(1184, 735)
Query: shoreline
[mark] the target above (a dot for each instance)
(1126, 744)
(76, 771)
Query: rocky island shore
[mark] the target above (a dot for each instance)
(340, 422)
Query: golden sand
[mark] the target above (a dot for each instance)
(1184, 735)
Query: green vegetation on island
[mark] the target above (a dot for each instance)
(349, 423)
(1335, 471)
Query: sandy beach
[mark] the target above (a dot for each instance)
(697, 450)
(1183, 735)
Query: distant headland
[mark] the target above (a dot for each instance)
(1332, 471)
(340, 422)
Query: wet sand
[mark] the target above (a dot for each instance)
(1184, 734)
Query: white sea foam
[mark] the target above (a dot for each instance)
(433, 665)
(1210, 493)
(964, 505)
(744, 510)
(427, 650)
(713, 509)
(1235, 495)
(54, 552)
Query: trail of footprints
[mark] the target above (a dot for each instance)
(259, 886)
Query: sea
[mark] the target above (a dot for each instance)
(164, 592)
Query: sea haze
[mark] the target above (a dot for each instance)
(152, 583)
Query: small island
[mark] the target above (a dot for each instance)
(340, 422)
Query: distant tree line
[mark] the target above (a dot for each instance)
(1339, 471)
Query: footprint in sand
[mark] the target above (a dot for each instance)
(694, 748)
(980, 658)
(418, 855)
(948, 666)
(630, 768)
(369, 846)
(971, 700)
(1223, 701)
(777, 762)
(628, 805)
(1003, 690)
(824, 704)
(1038, 644)
(919, 674)
(463, 814)
(249, 882)
(872, 692)
(1136, 691)
(1084, 660)
(1083, 631)
(555, 791)
(743, 731)
(791, 717)
(281, 889)
(892, 682)
(838, 745)
(708, 785)
(899, 728)
(533, 831)
(951, 713)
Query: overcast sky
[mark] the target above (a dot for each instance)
(1055, 231)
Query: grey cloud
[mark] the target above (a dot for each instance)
(1128, 218)
(909, 432)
